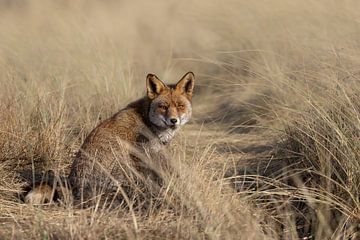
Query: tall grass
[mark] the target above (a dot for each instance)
(273, 148)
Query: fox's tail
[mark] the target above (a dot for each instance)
(51, 188)
(40, 194)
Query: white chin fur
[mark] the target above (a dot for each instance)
(184, 119)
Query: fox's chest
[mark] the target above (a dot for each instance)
(166, 136)
(163, 138)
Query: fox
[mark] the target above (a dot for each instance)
(112, 155)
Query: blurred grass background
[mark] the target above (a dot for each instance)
(271, 153)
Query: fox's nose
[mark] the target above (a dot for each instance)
(173, 120)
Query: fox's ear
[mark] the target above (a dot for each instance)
(154, 86)
(186, 84)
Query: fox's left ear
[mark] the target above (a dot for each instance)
(186, 85)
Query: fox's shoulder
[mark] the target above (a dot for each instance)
(134, 115)
(127, 124)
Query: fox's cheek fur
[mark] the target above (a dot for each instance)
(156, 117)
(186, 114)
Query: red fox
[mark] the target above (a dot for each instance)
(110, 153)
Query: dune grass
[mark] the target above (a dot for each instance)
(273, 147)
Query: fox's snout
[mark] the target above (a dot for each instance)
(169, 117)
(171, 121)
(172, 118)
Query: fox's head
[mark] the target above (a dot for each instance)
(170, 105)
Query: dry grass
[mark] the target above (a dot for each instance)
(273, 148)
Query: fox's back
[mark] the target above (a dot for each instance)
(127, 125)
(110, 146)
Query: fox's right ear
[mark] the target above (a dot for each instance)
(154, 86)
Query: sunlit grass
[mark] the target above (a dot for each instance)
(271, 153)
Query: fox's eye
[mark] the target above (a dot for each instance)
(163, 107)
(181, 106)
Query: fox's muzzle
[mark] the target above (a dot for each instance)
(172, 118)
